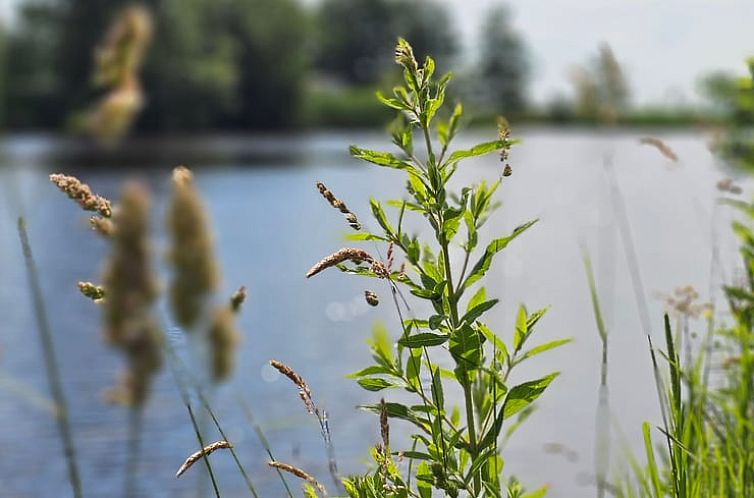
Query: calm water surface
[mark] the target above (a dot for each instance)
(270, 226)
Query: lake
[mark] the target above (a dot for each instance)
(271, 225)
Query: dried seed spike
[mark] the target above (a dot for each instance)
(303, 388)
(389, 257)
(371, 298)
(346, 254)
(206, 451)
(82, 194)
(223, 338)
(661, 146)
(351, 218)
(238, 298)
(300, 473)
(384, 425)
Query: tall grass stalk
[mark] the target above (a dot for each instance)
(182, 373)
(602, 419)
(52, 369)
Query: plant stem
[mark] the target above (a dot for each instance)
(135, 419)
(51, 364)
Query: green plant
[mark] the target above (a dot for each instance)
(706, 398)
(456, 450)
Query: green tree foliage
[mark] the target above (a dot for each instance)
(212, 64)
(190, 75)
(503, 65)
(354, 33)
(30, 81)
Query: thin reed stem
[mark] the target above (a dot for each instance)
(178, 364)
(262, 438)
(135, 425)
(54, 378)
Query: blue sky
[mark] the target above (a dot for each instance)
(665, 45)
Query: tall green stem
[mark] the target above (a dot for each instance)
(452, 303)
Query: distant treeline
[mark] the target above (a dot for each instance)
(265, 64)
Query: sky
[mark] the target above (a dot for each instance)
(664, 45)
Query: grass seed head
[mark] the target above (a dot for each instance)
(195, 273)
(303, 388)
(352, 254)
(82, 194)
(204, 452)
(223, 340)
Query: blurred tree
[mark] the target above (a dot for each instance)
(272, 59)
(601, 88)
(503, 65)
(32, 85)
(191, 74)
(354, 35)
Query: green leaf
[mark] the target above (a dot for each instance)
(392, 103)
(518, 398)
(438, 398)
(477, 298)
(479, 150)
(423, 339)
(494, 339)
(466, 348)
(544, 347)
(361, 236)
(478, 310)
(497, 245)
(376, 383)
(524, 394)
(379, 158)
(372, 370)
(380, 216)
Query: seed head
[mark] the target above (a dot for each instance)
(223, 340)
(94, 292)
(346, 254)
(351, 218)
(203, 453)
(237, 299)
(371, 298)
(82, 194)
(303, 388)
(131, 291)
(195, 273)
(661, 147)
(300, 473)
(102, 226)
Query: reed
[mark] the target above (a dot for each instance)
(54, 378)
